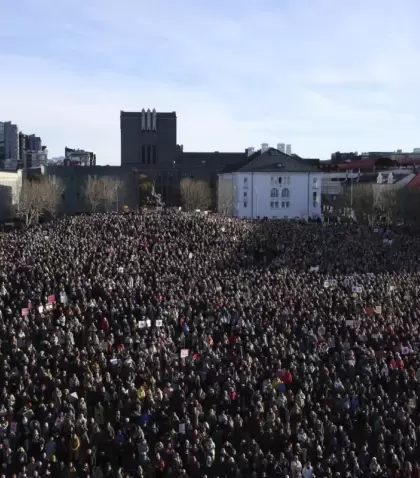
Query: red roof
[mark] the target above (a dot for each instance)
(363, 164)
(415, 182)
(408, 162)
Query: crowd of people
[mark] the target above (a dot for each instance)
(165, 344)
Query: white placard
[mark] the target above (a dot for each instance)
(159, 323)
(142, 324)
(184, 353)
(148, 323)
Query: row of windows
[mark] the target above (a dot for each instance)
(282, 180)
(283, 204)
(148, 154)
(285, 193)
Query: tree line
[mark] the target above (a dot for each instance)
(42, 195)
(373, 203)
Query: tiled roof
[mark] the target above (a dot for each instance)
(415, 183)
(274, 160)
(367, 164)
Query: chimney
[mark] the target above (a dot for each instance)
(281, 147)
(154, 119)
(288, 149)
(250, 151)
(264, 147)
(148, 120)
(143, 119)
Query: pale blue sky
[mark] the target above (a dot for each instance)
(324, 75)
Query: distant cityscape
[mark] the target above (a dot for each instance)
(22, 151)
(150, 148)
(149, 143)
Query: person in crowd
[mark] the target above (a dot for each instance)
(165, 345)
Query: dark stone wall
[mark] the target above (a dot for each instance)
(74, 179)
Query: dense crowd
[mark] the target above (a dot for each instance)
(172, 345)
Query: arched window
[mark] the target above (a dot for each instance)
(285, 193)
(274, 193)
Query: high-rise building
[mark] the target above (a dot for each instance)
(2, 150)
(78, 157)
(9, 142)
(35, 159)
(289, 149)
(34, 143)
(23, 147)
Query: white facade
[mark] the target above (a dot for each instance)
(285, 195)
(10, 187)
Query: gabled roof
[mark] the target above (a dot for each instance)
(273, 160)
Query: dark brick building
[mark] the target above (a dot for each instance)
(149, 146)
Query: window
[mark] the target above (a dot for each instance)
(285, 193)
(149, 154)
(314, 199)
(315, 182)
(274, 204)
(245, 180)
(274, 193)
(285, 204)
(280, 180)
(245, 204)
(154, 158)
(143, 154)
(286, 180)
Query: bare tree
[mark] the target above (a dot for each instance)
(111, 188)
(407, 207)
(386, 202)
(226, 194)
(361, 201)
(38, 196)
(94, 192)
(53, 190)
(195, 194)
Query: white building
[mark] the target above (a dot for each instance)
(271, 184)
(10, 187)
